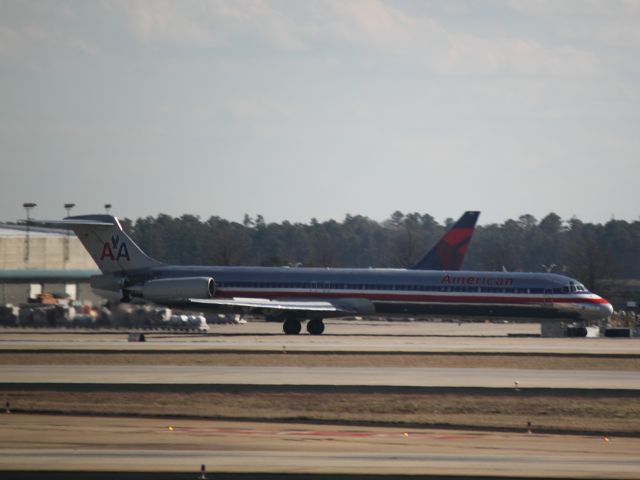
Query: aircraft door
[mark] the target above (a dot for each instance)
(548, 297)
(319, 287)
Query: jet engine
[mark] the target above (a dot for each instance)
(111, 287)
(175, 289)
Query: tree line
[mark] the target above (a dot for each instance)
(595, 254)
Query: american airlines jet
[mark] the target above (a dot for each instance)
(434, 286)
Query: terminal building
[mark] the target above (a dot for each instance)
(42, 260)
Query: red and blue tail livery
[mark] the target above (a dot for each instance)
(449, 252)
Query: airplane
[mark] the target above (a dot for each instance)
(298, 294)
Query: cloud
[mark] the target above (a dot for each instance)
(372, 27)
(202, 24)
(471, 55)
(38, 36)
(590, 8)
(593, 22)
(41, 48)
(424, 40)
(177, 23)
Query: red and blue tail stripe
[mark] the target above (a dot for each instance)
(449, 252)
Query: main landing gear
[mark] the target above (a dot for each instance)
(292, 326)
(315, 326)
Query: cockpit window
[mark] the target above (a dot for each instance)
(574, 287)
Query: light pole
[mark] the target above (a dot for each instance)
(107, 207)
(68, 207)
(28, 206)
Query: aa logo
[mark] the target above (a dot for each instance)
(120, 249)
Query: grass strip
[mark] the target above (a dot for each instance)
(530, 361)
(601, 414)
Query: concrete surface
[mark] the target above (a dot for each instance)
(65, 443)
(415, 377)
(340, 336)
(126, 444)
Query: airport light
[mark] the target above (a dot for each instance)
(68, 207)
(27, 207)
(107, 207)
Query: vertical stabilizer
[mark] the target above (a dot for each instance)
(449, 252)
(109, 246)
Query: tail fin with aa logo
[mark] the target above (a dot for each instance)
(107, 243)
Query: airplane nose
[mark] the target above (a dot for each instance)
(606, 309)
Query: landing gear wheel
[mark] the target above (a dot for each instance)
(291, 326)
(315, 327)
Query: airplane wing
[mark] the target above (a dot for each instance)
(267, 304)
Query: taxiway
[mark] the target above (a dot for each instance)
(318, 376)
(40, 443)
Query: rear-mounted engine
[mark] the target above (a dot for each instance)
(174, 289)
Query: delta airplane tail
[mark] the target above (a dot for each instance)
(449, 252)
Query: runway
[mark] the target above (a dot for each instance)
(367, 463)
(319, 376)
(124, 444)
(340, 336)
(60, 443)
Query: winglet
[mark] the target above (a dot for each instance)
(449, 252)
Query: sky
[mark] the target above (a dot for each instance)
(317, 109)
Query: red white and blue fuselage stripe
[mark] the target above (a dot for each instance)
(413, 292)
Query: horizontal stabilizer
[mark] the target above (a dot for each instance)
(68, 224)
